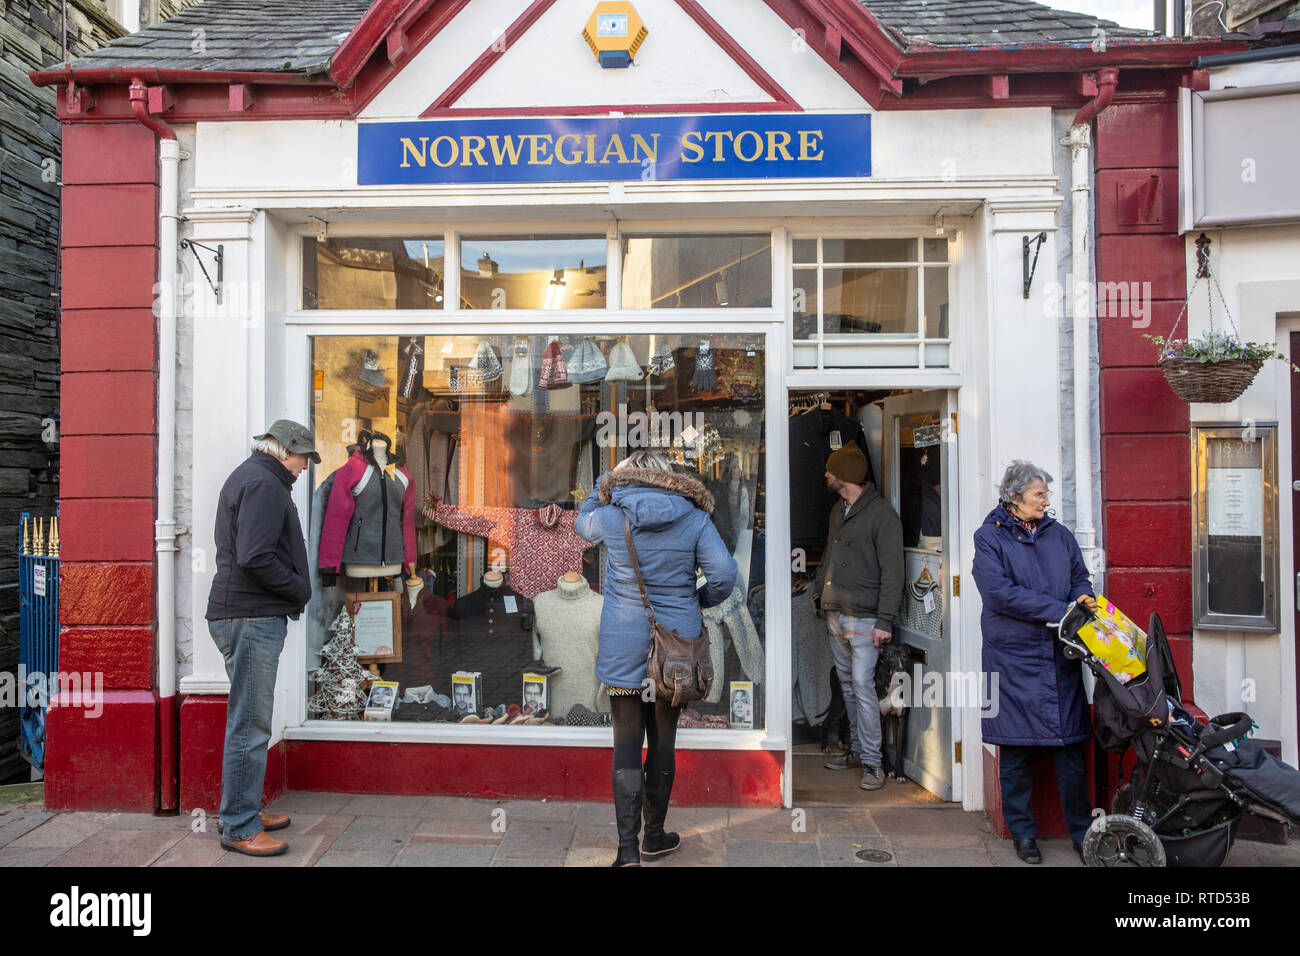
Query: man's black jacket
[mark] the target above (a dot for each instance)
(261, 556)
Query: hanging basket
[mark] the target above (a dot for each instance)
(1213, 382)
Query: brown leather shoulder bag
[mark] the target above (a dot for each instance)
(679, 668)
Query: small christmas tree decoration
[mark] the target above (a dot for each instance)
(340, 679)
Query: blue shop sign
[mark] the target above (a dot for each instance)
(727, 146)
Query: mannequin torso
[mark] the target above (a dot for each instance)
(568, 625)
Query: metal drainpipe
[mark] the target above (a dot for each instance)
(169, 154)
(1080, 142)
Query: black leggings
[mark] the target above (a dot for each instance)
(636, 720)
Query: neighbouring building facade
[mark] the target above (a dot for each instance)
(512, 242)
(34, 34)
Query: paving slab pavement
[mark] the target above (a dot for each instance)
(332, 829)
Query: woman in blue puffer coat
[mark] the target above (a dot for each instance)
(1030, 572)
(674, 539)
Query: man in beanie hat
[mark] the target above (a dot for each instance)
(262, 580)
(859, 587)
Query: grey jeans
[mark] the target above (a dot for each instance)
(854, 653)
(251, 647)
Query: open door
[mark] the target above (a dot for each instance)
(919, 477)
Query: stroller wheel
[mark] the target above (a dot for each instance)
(1121, 840)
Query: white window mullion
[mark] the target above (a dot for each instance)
(451, 271)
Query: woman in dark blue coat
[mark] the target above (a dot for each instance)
(1030, 572)
(674, 537)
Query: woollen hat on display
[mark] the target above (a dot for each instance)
(587, 364)
(371, 373)
(623, 365)
(554, 374)
(848, 464)
(484, 367)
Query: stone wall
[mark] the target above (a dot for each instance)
(32, 36)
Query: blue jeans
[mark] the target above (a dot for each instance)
(1017, 780)
(251, 647)
(854, 653)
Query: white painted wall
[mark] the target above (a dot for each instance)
(553, 66)
(1259, 271)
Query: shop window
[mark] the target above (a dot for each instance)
(515, 273)
(860, 302)
(372, 273)
(484, 448)
(697, 272)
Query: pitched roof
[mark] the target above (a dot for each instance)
(302, 36)
(254, 36)
(991, 23)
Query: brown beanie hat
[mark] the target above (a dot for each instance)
(848, 464)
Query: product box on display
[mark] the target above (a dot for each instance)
(379, 705)
(467, 692)
(536, 692)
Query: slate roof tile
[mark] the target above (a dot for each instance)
(991, 23)
(262, 35)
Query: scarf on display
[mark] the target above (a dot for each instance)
(705, 378)
(555, 373)
(587, 364)
(521, 369)
(623, 366)
(413, 367)
(732, 617)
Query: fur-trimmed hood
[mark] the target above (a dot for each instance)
(692, 489)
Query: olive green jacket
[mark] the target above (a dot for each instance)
(861, 572)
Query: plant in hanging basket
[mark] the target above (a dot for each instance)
(1214, 367)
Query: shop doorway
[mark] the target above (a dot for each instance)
(910, 441)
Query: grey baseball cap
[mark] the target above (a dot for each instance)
(298, 439)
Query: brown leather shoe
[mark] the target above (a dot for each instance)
(260, 843)
(273, 821)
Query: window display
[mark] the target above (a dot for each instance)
(453, 468)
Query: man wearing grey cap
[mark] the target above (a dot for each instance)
(262, 580)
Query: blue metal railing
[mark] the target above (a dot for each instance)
(38, 630)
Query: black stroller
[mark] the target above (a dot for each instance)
(1192, 783)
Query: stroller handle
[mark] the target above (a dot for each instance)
(1075, 618)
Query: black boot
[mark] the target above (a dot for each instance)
(658, 788)
(628, 792)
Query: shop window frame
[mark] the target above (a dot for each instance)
(303, 326)
(865, 343)
(453, 232)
